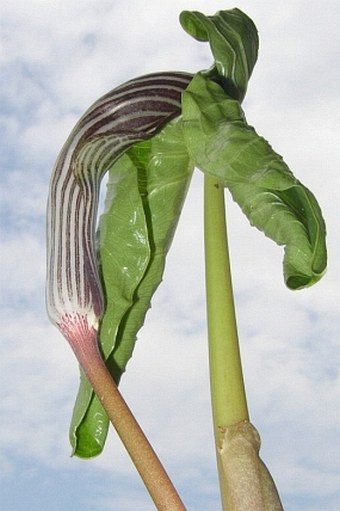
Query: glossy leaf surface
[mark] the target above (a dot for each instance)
(146, 190)
(222, 143)
(147, 187)
(234, 44)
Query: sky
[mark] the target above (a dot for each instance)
(56, 58)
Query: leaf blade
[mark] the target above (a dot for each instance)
(123, 224)
(234, 44)
(161, 170)
(222, 143)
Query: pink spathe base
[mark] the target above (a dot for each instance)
(82, 337)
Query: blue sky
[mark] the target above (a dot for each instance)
(56, 58)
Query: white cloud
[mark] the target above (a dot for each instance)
(23, 266)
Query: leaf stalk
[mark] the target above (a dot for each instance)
(229, 404)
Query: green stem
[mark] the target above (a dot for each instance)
(244, 480)
(227, 387)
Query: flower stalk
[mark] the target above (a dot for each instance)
(146, 461)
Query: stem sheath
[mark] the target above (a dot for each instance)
(245, 482)
(228, 397)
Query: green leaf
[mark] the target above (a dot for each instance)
(234, 43)
(222, 144)
(124, 253)
(146, 190)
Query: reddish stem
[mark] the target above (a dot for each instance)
(83, 339)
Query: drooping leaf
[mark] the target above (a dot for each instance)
(222, 143)
(234, 44)
(128, 247)
(146, 190)
(147, 187)
(130, 293)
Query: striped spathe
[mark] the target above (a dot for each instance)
(129, 113)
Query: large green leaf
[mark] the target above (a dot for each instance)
(222, 143)
(234, 44)
(143, 203)
(123, 227)
(146, 190)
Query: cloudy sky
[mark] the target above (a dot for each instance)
(56, 58)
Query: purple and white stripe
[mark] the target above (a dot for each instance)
(132, 112)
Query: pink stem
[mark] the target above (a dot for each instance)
(83, 339)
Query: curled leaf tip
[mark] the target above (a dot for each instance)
(234, 43)
(222, 144)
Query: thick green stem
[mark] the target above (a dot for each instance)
(227, 386)
(245, 482)
(226, 379)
